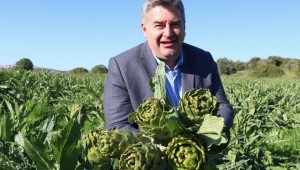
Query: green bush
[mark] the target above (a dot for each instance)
(297, 71)
(98, 69)
(24, 64)
(265, 69)
(79, 70)
(226, 66)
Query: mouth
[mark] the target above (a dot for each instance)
(167, 44)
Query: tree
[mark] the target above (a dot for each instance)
(276, 60)
(98, 69)
(79, 70)
(253, 62)
(239, 65)
(226, 66)
(267, 69)
(24, 64)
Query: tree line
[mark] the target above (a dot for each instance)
(26, 64)
(273, 66)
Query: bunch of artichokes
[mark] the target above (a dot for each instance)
(186, 133)
(161, 125)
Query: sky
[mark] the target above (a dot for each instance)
(64, 34)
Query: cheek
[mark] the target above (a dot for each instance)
(155, 37)
(180, 33)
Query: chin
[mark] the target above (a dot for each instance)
(171, 54)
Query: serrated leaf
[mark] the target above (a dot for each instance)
(65, 145)
(175, 126)
(39, 159)
(211, 130)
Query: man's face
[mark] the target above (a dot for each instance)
(165, 32)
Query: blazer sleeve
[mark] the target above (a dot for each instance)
(116, 100)
(226, 110)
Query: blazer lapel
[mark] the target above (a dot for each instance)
(187, 76)
(187, 82)
(148, 61)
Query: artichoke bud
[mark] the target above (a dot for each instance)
(113, 143)
(92, 139)
(95, 156)
(186, 153)
(195, 104)
(142, 156)
(78, 111)
(151, 117)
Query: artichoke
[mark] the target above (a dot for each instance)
(95, 157)
(194, 105)
(113, 143)
(142, 156)
(186, 153)
(91, 139)
(151, 117)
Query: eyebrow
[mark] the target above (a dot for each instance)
(172, 22)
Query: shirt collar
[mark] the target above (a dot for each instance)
(179, 61)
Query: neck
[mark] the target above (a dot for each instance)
(171, 64)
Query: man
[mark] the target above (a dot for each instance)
(187, 67)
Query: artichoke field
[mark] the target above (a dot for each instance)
(46, 117)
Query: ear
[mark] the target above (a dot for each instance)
(144, 29)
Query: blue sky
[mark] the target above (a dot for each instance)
(64, 34)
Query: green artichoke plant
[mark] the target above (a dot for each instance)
(142, 156)
(186, 153)
(96, 158)
(194, 105)
(113, 143)
(151, 117)
(91, 139)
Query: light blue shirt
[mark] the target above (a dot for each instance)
(173, 81)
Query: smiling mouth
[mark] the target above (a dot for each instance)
(167, 43)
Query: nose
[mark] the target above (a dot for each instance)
(168, 31)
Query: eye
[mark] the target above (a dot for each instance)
(158, 26)
(176, 25)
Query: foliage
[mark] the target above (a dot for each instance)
(226, 66)
(263, 108)
(292, 65)
(39, 109)
(79, 70)
(252, 63)
(239, 65)
(24, 64)
(296, 69)
(265, 69)
(44, 116)
(98, 69)
(276, 60)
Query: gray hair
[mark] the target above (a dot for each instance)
(149, 4)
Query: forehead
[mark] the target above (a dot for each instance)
(161, 13)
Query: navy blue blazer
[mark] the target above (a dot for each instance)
(127, 82)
